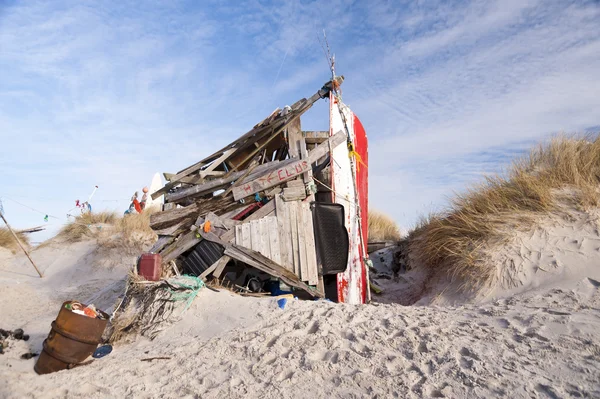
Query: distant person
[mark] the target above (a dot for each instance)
(144, 198)
(136, 203)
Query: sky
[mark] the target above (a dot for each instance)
(108, 93)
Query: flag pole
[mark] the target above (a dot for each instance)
(20, 244)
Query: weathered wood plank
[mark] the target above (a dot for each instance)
(294, 133)
(239, 235)
(294, 234)
(301, 241)
(162, 242)
(294, 193)
(197, 166)
(274, 246)
(265, 264)
(274, 178)
(221, 263)
(246, 236)
(266, 209)
(288, 172)
(212, 166)
(217, 184)
(255, 236)
(178, 247)
(311, 252)
(315, 137)
(264, 238)
(172, 216)
(285, 233)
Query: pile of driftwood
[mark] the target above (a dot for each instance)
(251, 201)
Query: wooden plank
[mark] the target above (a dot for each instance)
(213, 165)
(162, 242)
(172, 216)
(226, 154)
(271, 179)
(239, 181)
(311, 252)
(285, 233)
(239, 235)
(176, 229)
(254, 152)
(246, 236)
(266, 265)
(217, 184)
(274, 246)
(266, 209)
(294, 234)
(301, 241)
(294, 193)
(294, 134)
(315, 137)
(178, 247)
(259, 131)
(255, 235)
(264, 238)
(221, 266)
(288, 172)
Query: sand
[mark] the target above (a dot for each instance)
(539, 338)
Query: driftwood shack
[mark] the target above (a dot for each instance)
(278, 209)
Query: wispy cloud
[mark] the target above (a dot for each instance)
(108, 93)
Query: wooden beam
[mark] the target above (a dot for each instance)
(213, 165)
(294, 133)
(315, 137)
(289, 172)
(178, 247)
(168, 218)
(261, 262)
(221, 266)
(217, 184)
(272, 179)
(265, 210)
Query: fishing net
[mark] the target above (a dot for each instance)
(149, 307)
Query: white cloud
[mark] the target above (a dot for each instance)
(107, 94)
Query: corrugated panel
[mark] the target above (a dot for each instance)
(201, 257)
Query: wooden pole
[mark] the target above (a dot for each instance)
(21, 245)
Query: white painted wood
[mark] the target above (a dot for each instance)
(254, 234)
(239, 235)
(285, 233)
(301, 242)
(294, 233)
(264, 238)
(274, 246)
(311, 253)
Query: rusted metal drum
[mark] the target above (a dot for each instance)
(72, 339)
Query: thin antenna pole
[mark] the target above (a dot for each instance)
(20, 245)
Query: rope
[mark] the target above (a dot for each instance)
(193, 283)
(33, 209)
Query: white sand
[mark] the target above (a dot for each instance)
(543, 342)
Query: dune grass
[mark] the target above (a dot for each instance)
(382, 227)
(7, 240)
(86, 225)
(453, 241)
(110, 229)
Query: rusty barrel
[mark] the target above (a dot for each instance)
(72, 339)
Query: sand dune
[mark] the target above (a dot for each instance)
(539, 343)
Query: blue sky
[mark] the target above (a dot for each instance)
(108, 93)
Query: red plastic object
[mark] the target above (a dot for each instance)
(149, 266)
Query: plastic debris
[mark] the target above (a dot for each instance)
(281, 303)
(102, 351)
(89, 311)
